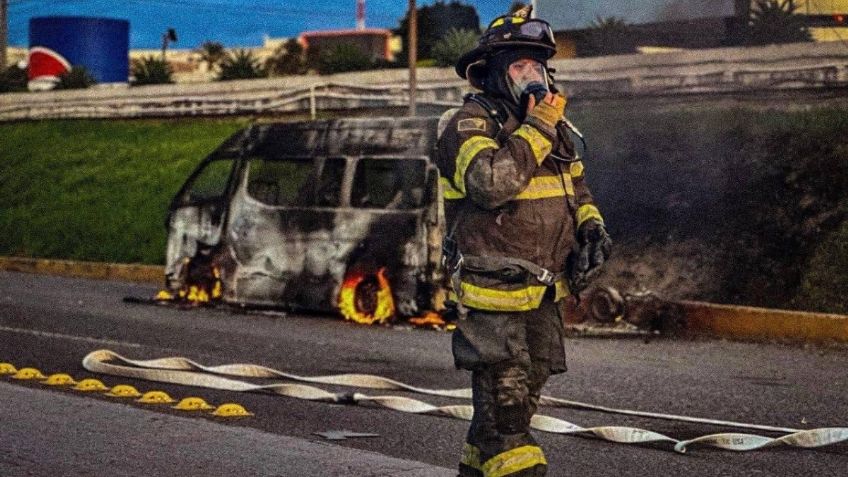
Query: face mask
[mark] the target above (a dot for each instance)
(526, 81)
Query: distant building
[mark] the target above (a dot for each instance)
(375, 43)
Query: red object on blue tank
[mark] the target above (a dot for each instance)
(45, 63)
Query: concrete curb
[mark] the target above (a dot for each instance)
(724, 321)
(67, 268)
(763, 324)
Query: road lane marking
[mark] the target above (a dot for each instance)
(87, 339)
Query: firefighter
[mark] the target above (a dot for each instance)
(521, 225)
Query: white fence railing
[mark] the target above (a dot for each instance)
(729, 70)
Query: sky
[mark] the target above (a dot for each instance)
(245, 22)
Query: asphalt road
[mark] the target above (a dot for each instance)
(51, 323)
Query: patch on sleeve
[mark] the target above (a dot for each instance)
(471, 124)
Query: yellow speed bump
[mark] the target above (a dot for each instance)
(90, 385)
(7, 368)
(28, 373)
(59, 379)
(155, 397)
(123, 391)
(231, 410)
(193, 404)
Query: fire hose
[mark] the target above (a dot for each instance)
(179, 370)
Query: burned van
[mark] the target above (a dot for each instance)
(337, 215)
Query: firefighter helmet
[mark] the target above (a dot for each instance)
(514, 31)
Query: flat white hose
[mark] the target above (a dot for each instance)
(179, 370)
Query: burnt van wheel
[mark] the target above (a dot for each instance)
(366, 298)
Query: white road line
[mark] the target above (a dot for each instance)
(88, 339)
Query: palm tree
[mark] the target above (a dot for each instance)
(775, 21)
(288, 59)
(211, 53)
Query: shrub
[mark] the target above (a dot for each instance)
(775, 21)
(240, 64)
(607, 36)
(13, 80)
(340, 59)
(455, 43)
(151, 70)
(76, 78)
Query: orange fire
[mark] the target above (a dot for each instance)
(367, 298)
(195, 294)
(431, 319)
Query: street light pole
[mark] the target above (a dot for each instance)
(413, 55)
(4, 32)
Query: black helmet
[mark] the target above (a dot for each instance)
(515, 31)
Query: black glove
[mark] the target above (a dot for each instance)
(594, 246)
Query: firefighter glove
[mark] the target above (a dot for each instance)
(594, 247)
(551, 113)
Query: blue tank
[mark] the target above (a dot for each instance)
(101, 45)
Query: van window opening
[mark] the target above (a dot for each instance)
(211, 182)
(389, 184)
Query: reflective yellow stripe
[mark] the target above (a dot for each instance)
(448, 192)
(467, 152)
(470, 456)
(562, 290)
(513, 461)
(545, 187)
(569, 184)
(501, 21)
(576, 169)
(522, 299)
(586, 212)
(540, 145)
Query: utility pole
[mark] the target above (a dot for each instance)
(413, 55)
(4, 32)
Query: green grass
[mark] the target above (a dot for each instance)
(97, 190)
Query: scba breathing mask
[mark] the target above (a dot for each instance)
(526, 79)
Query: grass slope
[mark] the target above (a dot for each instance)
(97, 190)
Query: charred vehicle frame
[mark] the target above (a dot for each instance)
(337, 215)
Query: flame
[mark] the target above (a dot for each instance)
(433, 320)
(195, 294)
(360, 303)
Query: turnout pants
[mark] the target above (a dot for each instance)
(510, 356)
